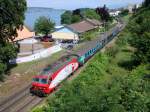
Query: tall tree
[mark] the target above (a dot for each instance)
(103, 12)
(44, 25)
(76, 12)
(140, 31)
(75, 18)
(66, 17)
(90, 13)
(11, 19)
(146, 3)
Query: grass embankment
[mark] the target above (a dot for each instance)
(111, 82)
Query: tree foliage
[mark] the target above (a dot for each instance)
(44, 25)
(11, 19)
(66, 17)
(103, 12)
(75, 18)
(146, 3)
(76, 12)
(140, 30)
(69, 17)
(124, 12)
(91, 14)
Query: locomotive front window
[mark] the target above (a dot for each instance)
(36, 79)
(39, 80)
(44, 81)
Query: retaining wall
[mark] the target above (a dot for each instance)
(42, 54)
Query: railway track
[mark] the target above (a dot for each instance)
(19, 101)
(23, 101)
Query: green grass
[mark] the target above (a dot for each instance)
(126, 18)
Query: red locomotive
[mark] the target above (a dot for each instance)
(51, 76)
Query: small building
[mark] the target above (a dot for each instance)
(65, 33)
(114, 13)
(133, 7)
(72, 32)
(24, 33)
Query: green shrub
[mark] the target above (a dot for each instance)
(112, 51)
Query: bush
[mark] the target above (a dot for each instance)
(140, 28)
(7, 51)
(123, 39)
(112, 51)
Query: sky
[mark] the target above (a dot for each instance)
(73, 4)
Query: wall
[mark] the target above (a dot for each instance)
(42, 54)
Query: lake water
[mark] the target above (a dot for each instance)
(32, 14)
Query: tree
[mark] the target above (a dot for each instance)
(91, 14)
(124, 12)
(76, 12)
(77, 15)
(103, 13)
(69, 17)
(11, 19)
(146, 3)
(44, 25)
(140, 28)
(75, 18)
(66, 17)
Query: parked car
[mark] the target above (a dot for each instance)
(69, 47)
(47, 39)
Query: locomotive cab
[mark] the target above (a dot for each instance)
(40, 85)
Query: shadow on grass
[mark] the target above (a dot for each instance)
(126, 50)
(9, 67)
(128, 64)
(7, 72)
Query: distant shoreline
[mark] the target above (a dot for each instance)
(44, 8)
(33, 13)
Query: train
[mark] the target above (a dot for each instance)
(50, 77)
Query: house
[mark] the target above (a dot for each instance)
(73, 31)
(114, 13)
(133, 7)
(24, 33)
(65, 33)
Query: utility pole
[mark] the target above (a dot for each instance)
(32, 46)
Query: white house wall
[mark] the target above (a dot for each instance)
(65, 34)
